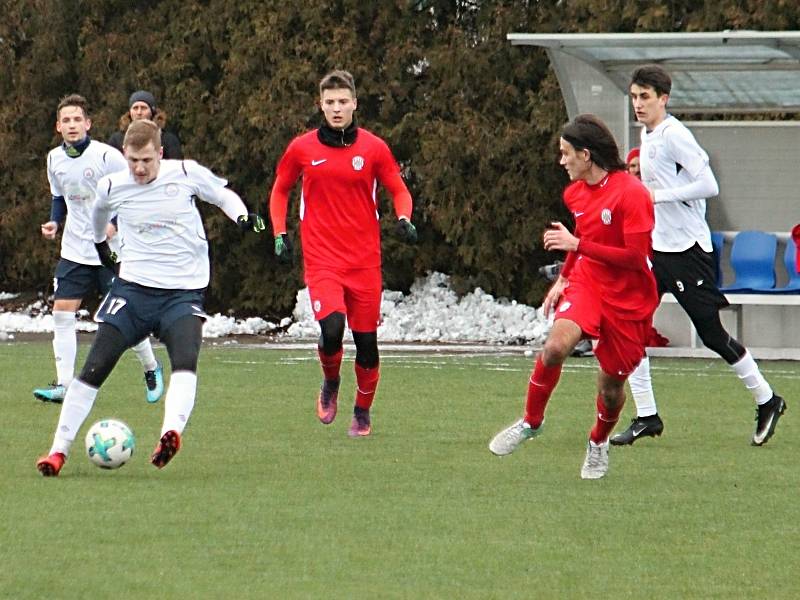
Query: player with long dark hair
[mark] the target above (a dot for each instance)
(606, 289)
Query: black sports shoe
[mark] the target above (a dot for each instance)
(640, 427)
(767, 416)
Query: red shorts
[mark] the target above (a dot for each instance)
(620, 342)
(354, 292)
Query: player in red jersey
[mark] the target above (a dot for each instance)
(606, 289)
(341, 165)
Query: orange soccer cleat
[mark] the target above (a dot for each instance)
(327, 401)
(361, 425)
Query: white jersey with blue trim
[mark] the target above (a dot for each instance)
(76, 180)
(161, 235)
(669, 158)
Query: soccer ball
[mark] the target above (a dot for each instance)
(109, 443)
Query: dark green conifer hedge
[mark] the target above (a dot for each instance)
(472, 120)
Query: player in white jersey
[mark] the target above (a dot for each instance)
(73, 170)
(163, 275)
(676, 170)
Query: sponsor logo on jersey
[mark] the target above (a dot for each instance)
(314, 163)
(88, 173)
(605, 216)
(358, 163)
(162, 229)
(564, 306)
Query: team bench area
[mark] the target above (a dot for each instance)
(764, 293)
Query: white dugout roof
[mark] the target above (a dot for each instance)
(712, 72)
(737, 73)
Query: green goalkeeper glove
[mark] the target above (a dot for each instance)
(251, 222)
(283, 248)
(107, 258)
(406, 230)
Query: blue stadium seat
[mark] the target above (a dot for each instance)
(753, 262)
(789, 261)
(718, 244)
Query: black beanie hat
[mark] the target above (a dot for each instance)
(143, 96)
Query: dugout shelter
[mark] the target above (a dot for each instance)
(739, 93)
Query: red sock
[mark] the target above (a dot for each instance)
(540, 386)
(331, 363)
(606, 419)
(366, 384)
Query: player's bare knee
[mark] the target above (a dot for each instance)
(554, 353)
(612, 392)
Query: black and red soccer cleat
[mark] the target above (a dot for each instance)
(167, 447)
(50, 466)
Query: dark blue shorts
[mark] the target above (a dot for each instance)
(137, 311)
(75, 281)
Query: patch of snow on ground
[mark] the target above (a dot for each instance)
(431, 312)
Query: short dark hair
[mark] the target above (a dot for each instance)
(338, 80)
(588, 132)
(73, 100)
(653, 76)
(140, 133)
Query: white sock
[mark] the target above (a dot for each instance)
(179, 401)
(77, 404)
(642, 389)
(65, 345)
(144, 351)
(751, 377)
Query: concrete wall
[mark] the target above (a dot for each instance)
(757, 164)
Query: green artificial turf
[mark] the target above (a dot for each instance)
(263, 501)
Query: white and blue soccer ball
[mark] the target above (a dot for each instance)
(110, 443)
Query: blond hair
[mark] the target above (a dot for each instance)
(140, 133)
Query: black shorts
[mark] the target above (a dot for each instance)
(690, 276)
(74, 281)
(137, 311)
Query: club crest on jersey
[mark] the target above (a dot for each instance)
(605, 216)
(358, 163)
(317, 306)
(651, 152)
(171, 190)
(88, 173)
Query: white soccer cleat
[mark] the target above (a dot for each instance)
(595, 465)
(511, 437)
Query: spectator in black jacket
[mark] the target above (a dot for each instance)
(142, 105)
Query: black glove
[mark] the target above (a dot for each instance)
(250, 222)
(406, 230)
(107, 258)
(283, 248)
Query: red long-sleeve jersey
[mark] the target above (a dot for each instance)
(338, 207)
(614, 221)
